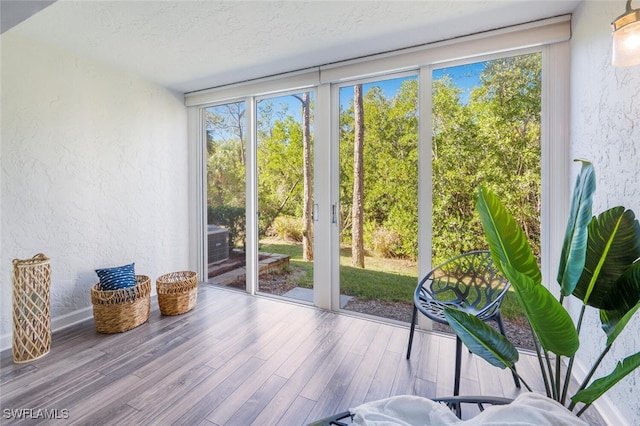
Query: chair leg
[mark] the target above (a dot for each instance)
(413, 328)
(516, 380)
(456, 380)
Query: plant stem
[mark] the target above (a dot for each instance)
(579, 327)
(521, 379)
(570, 366)
(585, 382)
(558, 366)
(558, 372)
(583, 409)
(550, 369)
(567, 378)
(542, 370)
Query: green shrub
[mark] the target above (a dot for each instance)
(383, 241)
(287, 228)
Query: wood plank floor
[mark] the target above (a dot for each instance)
(241, 360)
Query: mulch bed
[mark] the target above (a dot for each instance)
(518, 332)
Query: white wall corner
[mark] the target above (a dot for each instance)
(605, 129)
(94, 169)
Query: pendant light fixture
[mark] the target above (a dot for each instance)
(626, 38)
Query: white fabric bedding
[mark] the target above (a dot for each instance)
(527, 409)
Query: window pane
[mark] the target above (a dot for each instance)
(285, 195)
(226, 165)
(379, 197)
(486, 130)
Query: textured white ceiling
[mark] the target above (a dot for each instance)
(188, 45)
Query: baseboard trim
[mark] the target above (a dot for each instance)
(57, 324)
(71, 319)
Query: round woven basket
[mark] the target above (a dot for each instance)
(177, 292)
(115, 311)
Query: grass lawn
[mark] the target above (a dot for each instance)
(390, 280)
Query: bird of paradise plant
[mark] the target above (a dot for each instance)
(599, 264)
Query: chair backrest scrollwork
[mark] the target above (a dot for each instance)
(468, 281)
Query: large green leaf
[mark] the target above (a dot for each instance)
(548, 318)
(600, 386)
(627, 301)
(507, 242)
(481, 339)
(613, 246)
(613, 322)
(574, 246)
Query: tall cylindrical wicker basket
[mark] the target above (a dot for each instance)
(31, 312)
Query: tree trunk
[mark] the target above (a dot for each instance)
(307, 234)
(357, 213)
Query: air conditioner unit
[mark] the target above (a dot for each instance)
(218, 243)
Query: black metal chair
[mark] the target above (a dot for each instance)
(468, 282)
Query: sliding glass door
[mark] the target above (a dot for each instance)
(284, 130)
(486, 131)
(379, 196)
(374, 179)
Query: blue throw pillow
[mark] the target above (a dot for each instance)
(117, 278)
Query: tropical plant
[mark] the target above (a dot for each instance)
(599, 264)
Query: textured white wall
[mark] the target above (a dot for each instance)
(94, 174)
(605, 129)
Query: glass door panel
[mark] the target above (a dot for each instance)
(226, 201)
(486, 131)
(379, 197)
(285, 195)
